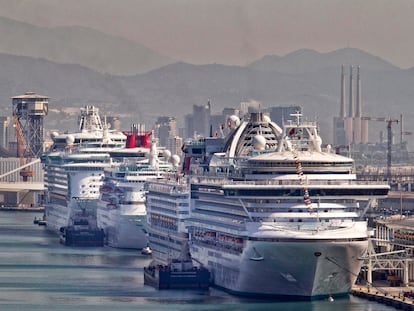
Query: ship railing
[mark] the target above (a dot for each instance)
(168, 184)
(227, 179)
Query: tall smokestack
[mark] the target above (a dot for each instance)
(358, 126)
(342, 113)
(358, 98)
(351, 94)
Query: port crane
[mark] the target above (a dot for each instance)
(22, 151)
(389, 122)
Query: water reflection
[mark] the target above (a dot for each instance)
(38, 273)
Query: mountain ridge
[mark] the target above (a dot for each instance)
(307, 60)
(172, 90)
(78, 45)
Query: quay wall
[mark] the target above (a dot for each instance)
(390, 296)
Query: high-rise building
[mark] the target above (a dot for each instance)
(280, 115)
(249, 106)
(4, 132)
(175, 144)
(198, 123)
(165, 129)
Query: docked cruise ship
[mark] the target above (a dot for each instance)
(74, 170)
(167, 203)
(273, 214)
(121, 209)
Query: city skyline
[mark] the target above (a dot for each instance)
(236, 32)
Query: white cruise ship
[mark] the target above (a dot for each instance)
(167, 203)
(121, 209)
(74, 170)
(275, 215)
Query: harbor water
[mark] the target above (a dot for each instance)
(38, 273)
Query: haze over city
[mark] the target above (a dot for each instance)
(236, 32)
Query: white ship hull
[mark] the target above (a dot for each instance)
(57, 216)
(307, 270)
(125, 227)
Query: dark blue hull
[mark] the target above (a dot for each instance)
(82, 237)
(163, 278)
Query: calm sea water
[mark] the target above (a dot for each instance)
(37, 273)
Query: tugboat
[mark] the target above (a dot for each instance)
(81, 234)
(177, 275)
(82, 229)
(39, 221)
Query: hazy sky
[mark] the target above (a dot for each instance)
(237, 31)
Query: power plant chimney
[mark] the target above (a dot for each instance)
(351, 94)
(342, 113)
(358, 126)
(358, 98)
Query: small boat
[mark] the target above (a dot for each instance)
(146, 251)
(41, 222)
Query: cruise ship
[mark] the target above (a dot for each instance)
(167, 202)
(74, 170)
(121, 209)
(273, 214)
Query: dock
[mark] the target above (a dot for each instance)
(399, 297)
(22, 209)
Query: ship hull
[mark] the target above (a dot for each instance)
(124, 230)
(293, 270)
(57, 216)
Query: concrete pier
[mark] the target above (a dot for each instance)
(392, 296)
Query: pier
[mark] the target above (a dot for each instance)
(397, 297)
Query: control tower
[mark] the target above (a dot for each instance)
(28, 112)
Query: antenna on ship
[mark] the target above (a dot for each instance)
(298, 164)
(302, 180)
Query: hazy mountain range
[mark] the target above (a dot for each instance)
(59, 63)
(78, 45)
